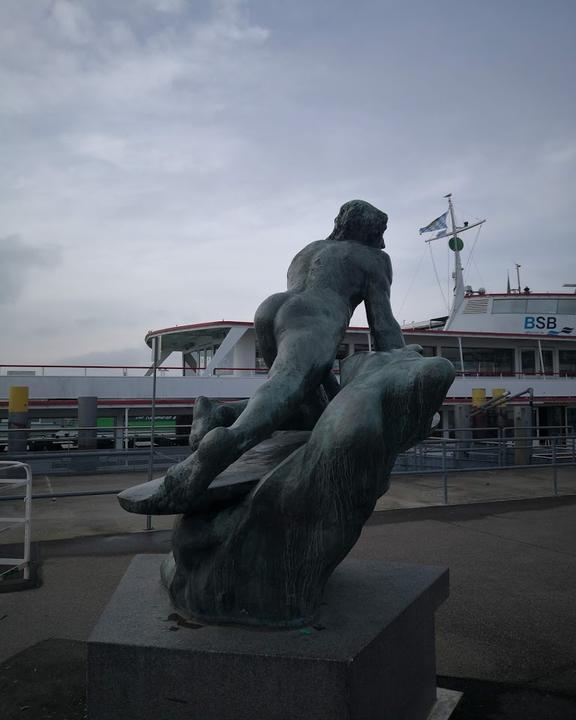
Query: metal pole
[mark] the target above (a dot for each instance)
(461, 355)
(541, 356)
(152, 421)
(458, 277)
(126, 421)
(554, 466)
(27, 521)
(445, 474)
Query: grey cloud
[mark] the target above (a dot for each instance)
(133, 356)
(182, 152)
(18, 262)
(82, 56)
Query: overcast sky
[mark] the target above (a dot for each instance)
(163, 160)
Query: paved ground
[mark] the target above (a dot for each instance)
(78, 516)
(511, 616)
(505, 636)
(507, 484)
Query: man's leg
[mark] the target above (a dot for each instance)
(300, 366)
(304, 358)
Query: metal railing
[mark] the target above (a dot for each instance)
(28, 370)
(436, 455)
(515, 374)
(496, 444)
(24, 521)
(447, 457)
(48, 370)
(54, 370)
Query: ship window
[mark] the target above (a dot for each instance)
(452, 354)
(548, 358)
(483, 361)
(567, 306)
(509, 305)
(489, 360)
(541, 305)
(528, 361)
(261, 367)
(567, 362)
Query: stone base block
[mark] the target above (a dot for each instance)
(369, 655)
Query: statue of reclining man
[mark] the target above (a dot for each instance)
(299, 332)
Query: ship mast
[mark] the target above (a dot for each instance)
(456, 245)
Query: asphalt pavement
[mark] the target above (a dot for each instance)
(505, 637)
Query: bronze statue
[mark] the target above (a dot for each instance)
(264, 557)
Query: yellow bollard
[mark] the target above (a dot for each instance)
(18, 419)
(498, 393)
(18, 399)
(478, 397)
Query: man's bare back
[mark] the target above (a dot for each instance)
(342, 267)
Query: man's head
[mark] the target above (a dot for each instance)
(360, 222)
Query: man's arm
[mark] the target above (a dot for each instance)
(385, 329)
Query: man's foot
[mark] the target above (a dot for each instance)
(209, 414)
(176, 492)
(166, 495)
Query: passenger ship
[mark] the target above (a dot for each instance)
(514, 352)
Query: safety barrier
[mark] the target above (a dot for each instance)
(7, 523)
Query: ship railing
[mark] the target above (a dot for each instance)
(23, 370)
(48, 370)
(44, 370)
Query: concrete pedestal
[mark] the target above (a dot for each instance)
(370, 654)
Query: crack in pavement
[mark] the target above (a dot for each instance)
(505, 537)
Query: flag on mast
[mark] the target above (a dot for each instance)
(438, 224)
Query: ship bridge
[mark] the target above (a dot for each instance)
(527, 313)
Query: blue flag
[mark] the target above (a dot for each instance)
(438, 224)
